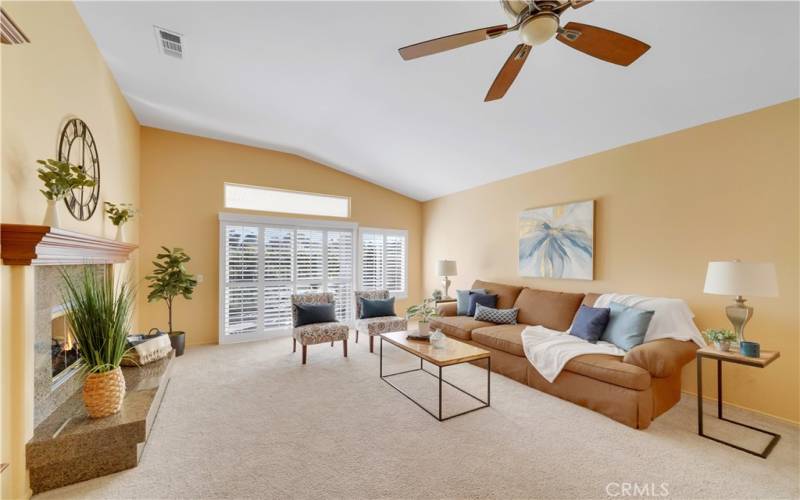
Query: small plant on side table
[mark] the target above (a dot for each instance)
(119, 215)
(59, 178)
(423, 313)
(720, 337)
(169, 280)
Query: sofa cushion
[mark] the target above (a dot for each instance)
(554, 310)
(662, 358)
(610, 369)
(506, 294)
(506, 338)
(590, 298)
(458, 326)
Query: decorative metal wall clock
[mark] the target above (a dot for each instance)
(77, 146)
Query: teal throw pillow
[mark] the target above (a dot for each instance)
(626, 326)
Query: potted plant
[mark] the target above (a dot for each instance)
(721, 338)
(169, 280)
(119, 215)
(98, 314)
(59, 179)
(423, 313)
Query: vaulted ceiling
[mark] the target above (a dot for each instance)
(324, 80)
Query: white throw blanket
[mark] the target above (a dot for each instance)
(153, 349)
(549, 350)
(672, 319)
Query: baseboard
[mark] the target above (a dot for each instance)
(739, 407)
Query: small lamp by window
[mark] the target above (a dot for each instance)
(446, 268)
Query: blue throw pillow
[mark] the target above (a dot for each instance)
(308, 314)
(626, 326)
(377, 308)
(590, 323)
(497, 316)
(483, 299)
(462, 300)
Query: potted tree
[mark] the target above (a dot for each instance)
(98, 314)
(169, 280)
(59, 179)
(119, 215)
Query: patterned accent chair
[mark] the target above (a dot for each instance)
(376, 326)
(317, 333)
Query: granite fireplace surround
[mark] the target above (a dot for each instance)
(67, 446)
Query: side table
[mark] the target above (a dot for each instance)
(764, 360)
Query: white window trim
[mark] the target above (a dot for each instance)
(384, 232)
(288, 222)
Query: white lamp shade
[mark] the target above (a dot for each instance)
(446, 268)
(755, 279)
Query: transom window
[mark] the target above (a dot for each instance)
(289, 202)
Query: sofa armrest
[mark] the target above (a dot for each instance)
(662, 357)
(447, 309)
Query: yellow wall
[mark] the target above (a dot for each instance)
(61, 74)
(665, 207)
(184, 178)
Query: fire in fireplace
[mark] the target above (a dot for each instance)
(63, 348)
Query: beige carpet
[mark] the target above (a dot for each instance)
(248, 421)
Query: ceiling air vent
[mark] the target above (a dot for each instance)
(170, 43)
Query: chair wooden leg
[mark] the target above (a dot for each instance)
(371, 343)
(345, 347)
(331, 343)
(356, 336)
(305, 348)
(294, 345)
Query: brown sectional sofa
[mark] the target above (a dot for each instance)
(633, 389)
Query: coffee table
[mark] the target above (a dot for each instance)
(453, 353)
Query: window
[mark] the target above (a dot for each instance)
(383, 260)
(263, 261)
(289, 202)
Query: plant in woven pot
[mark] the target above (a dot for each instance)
(169, 280)
(99, 313)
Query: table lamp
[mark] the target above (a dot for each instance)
(739, 278)
(446, 268)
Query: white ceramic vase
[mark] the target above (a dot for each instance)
(51, 217)
(120, 233)
(424, 328)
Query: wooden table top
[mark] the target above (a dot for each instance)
(766, 357)
(453, 353)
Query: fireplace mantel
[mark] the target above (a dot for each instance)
(26, 245)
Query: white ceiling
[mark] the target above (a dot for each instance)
(324, 80)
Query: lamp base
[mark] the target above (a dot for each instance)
(446, 285)
(739, 314)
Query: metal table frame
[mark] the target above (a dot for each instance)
(485, 404)
(772, 442)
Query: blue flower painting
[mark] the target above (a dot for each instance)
(557, 241)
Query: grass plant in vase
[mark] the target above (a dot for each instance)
(119, 215)
(423, 313)
(59, 178)
(98, 313)
(169, 280)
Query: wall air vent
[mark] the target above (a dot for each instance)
(10, 32)
(169, 42)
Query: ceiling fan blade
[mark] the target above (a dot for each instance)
(602, 43)
(451, 42)
(577, 4)
(508, 73)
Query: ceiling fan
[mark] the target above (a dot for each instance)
(537, 22)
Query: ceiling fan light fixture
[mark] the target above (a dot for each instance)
(538, 29)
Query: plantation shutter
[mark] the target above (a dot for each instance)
(383, 261)
(241, 280)
(262, 265)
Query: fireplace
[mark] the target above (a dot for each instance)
(64, 356)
